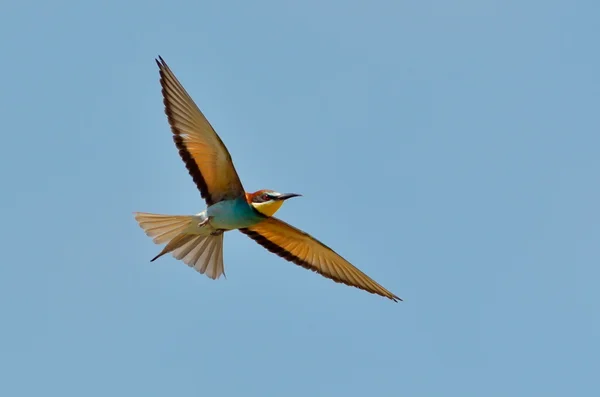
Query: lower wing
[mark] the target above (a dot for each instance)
(304, 250)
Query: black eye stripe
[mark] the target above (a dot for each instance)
(262, 198)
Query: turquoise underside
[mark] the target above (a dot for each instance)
(233, 214)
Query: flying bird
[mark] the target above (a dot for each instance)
(197, 240)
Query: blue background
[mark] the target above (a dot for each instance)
(449, 149)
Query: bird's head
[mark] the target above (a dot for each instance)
(267, 202)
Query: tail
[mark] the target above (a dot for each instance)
(202, 252)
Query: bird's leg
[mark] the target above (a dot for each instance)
(205, 222)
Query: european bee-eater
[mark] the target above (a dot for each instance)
(197, 240)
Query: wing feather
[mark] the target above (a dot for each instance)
(205, 156)
(304, 250)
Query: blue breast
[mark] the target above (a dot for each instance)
(233, 214)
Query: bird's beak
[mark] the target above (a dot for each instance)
(288, 196)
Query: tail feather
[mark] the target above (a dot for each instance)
(176, 242)
(162, 228)
(202, 252)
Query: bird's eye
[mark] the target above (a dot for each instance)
(266, 197)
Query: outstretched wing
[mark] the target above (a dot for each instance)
(204, 154)
(302, 249)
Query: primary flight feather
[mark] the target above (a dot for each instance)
(197, 240)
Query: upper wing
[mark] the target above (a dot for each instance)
(204, 154)
(302, 249)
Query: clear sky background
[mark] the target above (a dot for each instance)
(449, 149)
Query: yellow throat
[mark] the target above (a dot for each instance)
(269, 208)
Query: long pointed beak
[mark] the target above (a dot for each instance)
(288, 196)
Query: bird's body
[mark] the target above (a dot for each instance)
(197, 240)
(233, 214)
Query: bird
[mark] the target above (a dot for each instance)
(197, 240)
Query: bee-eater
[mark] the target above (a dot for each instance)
(197, 240)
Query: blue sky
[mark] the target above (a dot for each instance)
(449, 149)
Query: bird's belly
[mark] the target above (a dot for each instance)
(232, 214)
